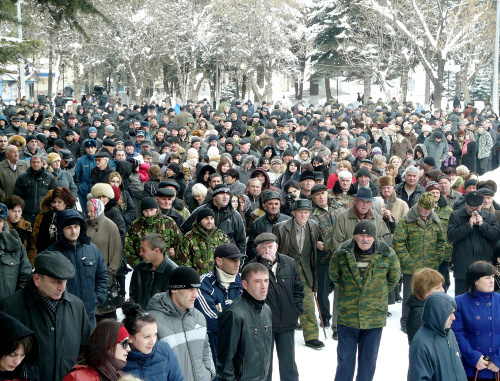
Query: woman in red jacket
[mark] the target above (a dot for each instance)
(105, 354)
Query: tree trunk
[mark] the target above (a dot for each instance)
(367, 88)
(404, 84)
(49, 79)
(244, 86)
(458, 84)
(427, 94)
(438, 83)
(328, 89)
(465, 86)
(77, 83)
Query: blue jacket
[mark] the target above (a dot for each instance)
(211, 294)
(477, 330)
(83, 167)
(90, 282)
(434, 352)
(160, 365)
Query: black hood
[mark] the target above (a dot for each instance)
(200, 171)
(67, 214)
(12, 329)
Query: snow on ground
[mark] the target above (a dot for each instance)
(392, 363)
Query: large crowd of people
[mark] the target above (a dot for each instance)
(237, 224)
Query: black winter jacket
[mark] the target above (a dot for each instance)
(145, 282)
(285, 293)
(61, 344)
(262, 224)
(245, 339)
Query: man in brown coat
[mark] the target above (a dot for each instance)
(10, 169)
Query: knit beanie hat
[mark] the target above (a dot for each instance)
(205, 212)
(148, 203)
(183, 277)
(199, 190)
(365, 227)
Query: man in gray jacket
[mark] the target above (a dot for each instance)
(182, 326)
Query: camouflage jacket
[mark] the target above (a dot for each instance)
(343, 199)
(444, 213)
(201, 246)
(362, 302)
(155, 225)
(418, 244)
(325, 219)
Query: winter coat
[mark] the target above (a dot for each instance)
(65, 180)
(45, 230)
(326, 219)
(476, 331)
(159, 365)
(262, 224)
(15, 269)
(201, 246)
(419, 244)
(237, 188)
(60, 344)
(84, 166)
(25, 233)
(245, 340)
(469, 159)
(285, 294)
(156, 224)
(400, 148)
(32, 188)
(306, 261)
(484, 145)
(8, 177)
(398, 207)
(146, 283)
(200, 171)
(362, 302)
(437, 150)
(112, 212)
(226, 219)
(10, 331)
(471, 244)
(213, 298)
(186, 333)
(26, 155)
(90, 282)
(417, 192)
(434, 352)
(100, 176)
(244, 172)
(414, 319)
(83, 373)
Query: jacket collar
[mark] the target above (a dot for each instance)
(412, 215)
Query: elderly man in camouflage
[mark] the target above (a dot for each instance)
(152, 222)
(202, 240)
(325, 210)
(365, 269)
(419, 241)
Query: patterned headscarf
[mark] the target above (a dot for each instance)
(98, 206)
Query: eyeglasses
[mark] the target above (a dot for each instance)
(125, 343)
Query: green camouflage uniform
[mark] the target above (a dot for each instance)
(155, 225)
(444, 216)
(325, 219)
(418, 244)
(201, 246)
(362, 302)
(343, 199)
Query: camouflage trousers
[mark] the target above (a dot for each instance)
(310, 328)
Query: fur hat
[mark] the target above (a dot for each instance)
(385, 181)
(199, 190)
(102, 189)
(18, 141)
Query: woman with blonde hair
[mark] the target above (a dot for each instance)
(425, 282)
(125, 204)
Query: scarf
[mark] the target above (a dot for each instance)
(464, 147)
(110, 368)
(51, 305)
(366, 217)
(225, 278)
(450, 160)
(98, 206)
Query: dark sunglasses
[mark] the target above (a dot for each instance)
(125, 343)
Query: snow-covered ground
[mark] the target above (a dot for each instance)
(392, 363)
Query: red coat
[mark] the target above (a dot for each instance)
(82, 373)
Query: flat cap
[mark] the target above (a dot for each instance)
(474, 198)
(302, 204)
(228, 250)
(54, 264)
(165, 192)
(318, 188)
(265, 237)
(271, 195)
